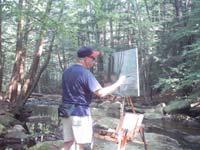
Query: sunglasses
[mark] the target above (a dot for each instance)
(93, 58)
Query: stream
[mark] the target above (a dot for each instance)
(160, 134)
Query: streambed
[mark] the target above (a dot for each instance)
(161, 134)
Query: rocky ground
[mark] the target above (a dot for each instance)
(160, 132)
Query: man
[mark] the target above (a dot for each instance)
(78, 85)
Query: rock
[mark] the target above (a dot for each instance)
(104, 105)
(113, 110)
(198, 118)
(107, 122)
(97, 113)
(107, 108)
(16, 135)
(139, 110)
(193, 138)
(153, 115)
(4, 107)
(2, 129)
(8, 120)
(154, 142)
(18, 127)
(17, 132)
(161, 142)
(94, 104)
(48, 145)
(101, 113)
(159, 108)
(155, 112)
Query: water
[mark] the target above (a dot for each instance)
(177, 130)
(44, 121)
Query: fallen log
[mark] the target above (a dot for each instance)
(180, 106)
(177, 107)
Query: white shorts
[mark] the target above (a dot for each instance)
(77, 128)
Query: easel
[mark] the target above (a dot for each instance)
(129, 126)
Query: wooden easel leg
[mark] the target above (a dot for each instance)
(125, 142)
(131, 104)
(119, 145)
(122, 144)
(143, 137)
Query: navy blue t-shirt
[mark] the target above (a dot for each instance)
(78, 85)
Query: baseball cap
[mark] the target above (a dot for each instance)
(87, 51)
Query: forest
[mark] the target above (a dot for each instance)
(38, 39)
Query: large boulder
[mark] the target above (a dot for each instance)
(114, 109)
(8, 119)
(17, 132)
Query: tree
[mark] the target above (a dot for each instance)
(179, 48)
(21, 85)
(1, 51)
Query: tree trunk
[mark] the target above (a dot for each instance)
(129, 38)
(104, 37)
(1, 51)
(17, 77)
(118, 33)
(21, 86)
(34, 71)
(163, 14)
(41, 70)
(147, 9)
(61, 61)
(143, 51)
(97, 34)
(100, 70)
(177, 6)
(110, 68)
(111, 33)
(88, 34)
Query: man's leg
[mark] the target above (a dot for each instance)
(85, 146)
(80, 147)
(67, 145)
(67, 133)
(82, 130)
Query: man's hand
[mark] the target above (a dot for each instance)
(121, 80)
(111, 88)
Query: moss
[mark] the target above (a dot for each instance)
(47, 145)
(8, 120)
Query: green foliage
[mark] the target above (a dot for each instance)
(169, 45)
(181, 40)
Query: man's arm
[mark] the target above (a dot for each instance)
(110, 89)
